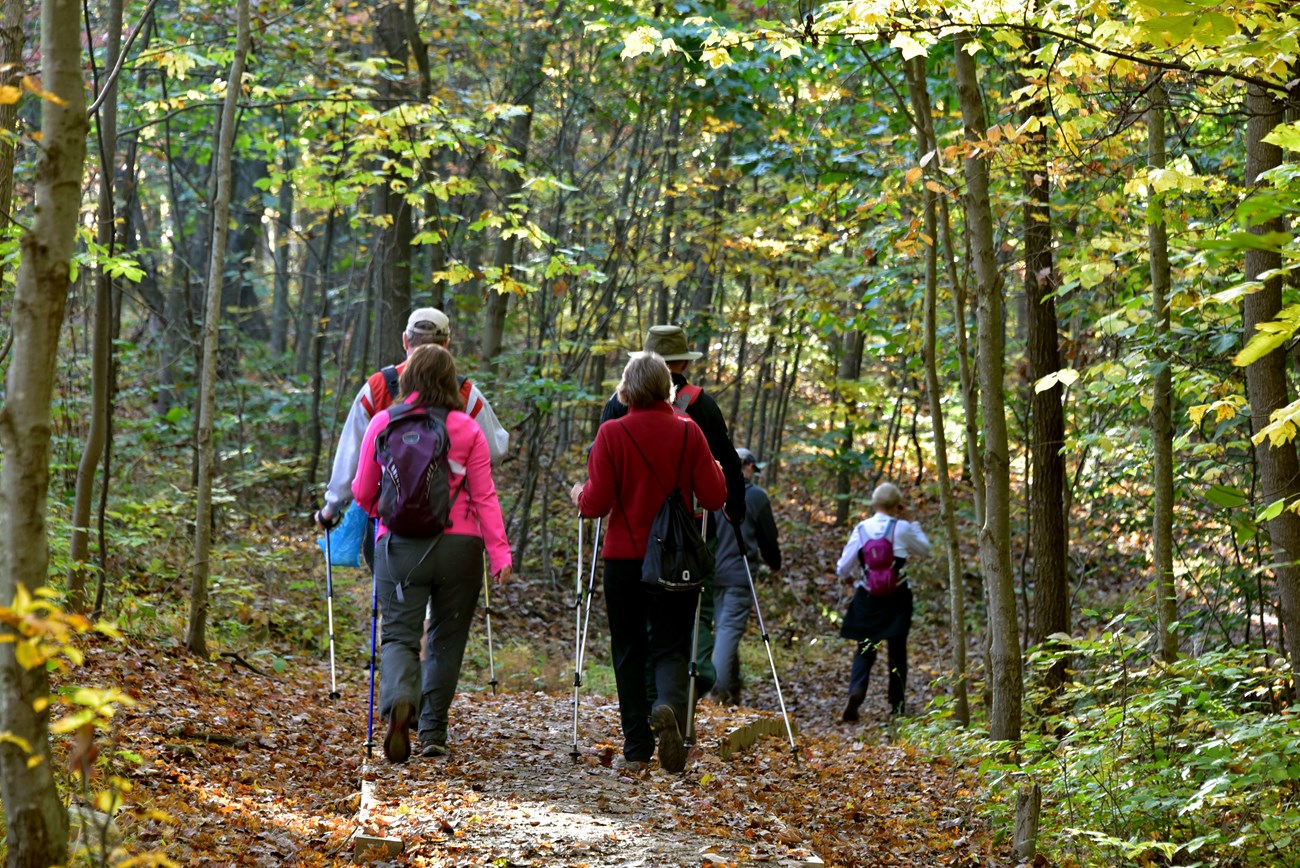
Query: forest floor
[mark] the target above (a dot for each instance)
(229, 765)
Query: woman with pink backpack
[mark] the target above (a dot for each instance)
(881, 610)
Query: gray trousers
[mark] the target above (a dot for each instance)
(731, 606)
(411, 577)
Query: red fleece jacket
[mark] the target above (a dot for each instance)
(630, 488)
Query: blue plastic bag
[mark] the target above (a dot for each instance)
(345, 539)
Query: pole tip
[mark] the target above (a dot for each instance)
(334, 694)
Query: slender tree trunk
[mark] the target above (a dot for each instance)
(1049, 538)
(283, 242)
(850, 369)
(196, 638)
(921, 108)
(1266, 383)
(11, 70)
(1162, 398)
(529, 79)
(35, 820)
(97, 434)
(995, 535)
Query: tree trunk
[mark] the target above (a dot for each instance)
(1049, 538)
(1266, 383)
(11, 71)
(995, 535)
(283, 241)
(921, 107)
(1162, 398)
(35, 820)
(196, 638)
(524, 93)
(97, 434)
(850, 369)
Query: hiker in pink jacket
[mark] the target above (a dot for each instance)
(443, 572)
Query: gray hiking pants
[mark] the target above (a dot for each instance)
(446, 579)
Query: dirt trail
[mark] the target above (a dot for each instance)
(238, 768)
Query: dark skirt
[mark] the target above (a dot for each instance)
(878, 618)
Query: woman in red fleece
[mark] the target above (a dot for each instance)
(630, 470)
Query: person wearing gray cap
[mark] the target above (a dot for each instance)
(732, 597)
(426, 325)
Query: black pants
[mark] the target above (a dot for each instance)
(665, 648)
(865, 658)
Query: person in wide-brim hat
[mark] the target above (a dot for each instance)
(669, 342)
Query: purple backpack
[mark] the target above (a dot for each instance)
(877, 557)
(415, 486)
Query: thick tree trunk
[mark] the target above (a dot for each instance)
(922, 110)
(35, 819)
(995, 535)
(1162, 398)
(1049, 541)
(1266, 383)
(196, 638)
(97, 434)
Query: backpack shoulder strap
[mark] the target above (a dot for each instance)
(686, 396)
(467, 387)
(391, 382)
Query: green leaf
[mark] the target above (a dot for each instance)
(1272, 511)
(1226, 496)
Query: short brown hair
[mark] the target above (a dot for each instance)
(646, 380)
(430, 373)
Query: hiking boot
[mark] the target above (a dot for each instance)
(397, 743)
(632, 767)
(672, 750)
(435, 749)
(851, 710)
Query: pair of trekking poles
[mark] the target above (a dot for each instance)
(582, 621)
(374, 632)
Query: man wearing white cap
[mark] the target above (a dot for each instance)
(427, 325)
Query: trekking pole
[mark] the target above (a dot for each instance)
(689, 738)
(583, 603)
(374, 617)
(329, 608)
(694, 669)
(577, 634)
(767, 643)
(487, 614)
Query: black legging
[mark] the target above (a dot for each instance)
(865, 658)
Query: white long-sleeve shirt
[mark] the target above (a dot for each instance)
(909, 541)
(339, 491)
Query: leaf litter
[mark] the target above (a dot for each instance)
(231, 767)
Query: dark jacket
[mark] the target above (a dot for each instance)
(759, 534)
(706, 413)
(630, 471)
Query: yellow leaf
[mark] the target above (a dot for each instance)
(28, 654)
(35, 87)
(9, 94)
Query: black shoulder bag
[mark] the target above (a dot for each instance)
(676, 556)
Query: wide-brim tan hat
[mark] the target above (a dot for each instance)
(669, 342)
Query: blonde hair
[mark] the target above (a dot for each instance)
(886, 498)
(645, 381)
(431, 372)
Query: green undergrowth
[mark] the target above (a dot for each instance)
(1193, 763)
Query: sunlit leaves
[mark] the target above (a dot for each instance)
(642, 40)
